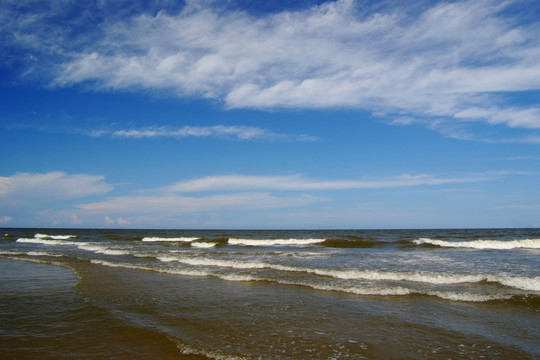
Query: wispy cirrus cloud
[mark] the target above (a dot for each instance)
(168, 204)
(221, 196)
(220, 131)
(451, 60)
(187, 202)
(299, 183)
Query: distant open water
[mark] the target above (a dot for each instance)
(201, 294)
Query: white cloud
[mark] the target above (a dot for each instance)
(457, 60)
(5, 219)
(226, 197)
(513, 117)
(75, 219)
(166, 205)
(22, 188)
(442, 61)
(298, 183)
(120, 221)
(238, 132)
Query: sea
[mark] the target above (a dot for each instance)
(269, 294)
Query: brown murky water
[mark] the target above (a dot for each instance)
(108, 294)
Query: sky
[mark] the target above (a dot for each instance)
(299, 114)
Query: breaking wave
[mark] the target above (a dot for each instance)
(172, 239)
(483, 244)
(203, 244)
(274, 242)
(55, 237)
(355, 289)
(521, 283)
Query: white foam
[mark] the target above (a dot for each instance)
(87, 246)
(483, 244)
(219, 263)
(359, 290)
(203, 245)
(401, 291)
(237, 277)
(356, 290)
(98, 249)
(167, 258)
(146, 268)
(41, 253)
(522, 283)
(274, 242)
(174, 239)
(467, 297)
(3, 252)
(55, 237)
(44, 241)
(430, 278)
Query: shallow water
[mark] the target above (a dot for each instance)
(422, 294)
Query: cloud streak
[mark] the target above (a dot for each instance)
(298, 183)
(225, 195)
(170, 204)
(216, 197)
(221, 131)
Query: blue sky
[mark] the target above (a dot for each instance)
(244, 114)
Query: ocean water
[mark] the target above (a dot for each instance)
(222, 294)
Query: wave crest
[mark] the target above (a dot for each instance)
(274, 242)
(173, 239)
(483, 244)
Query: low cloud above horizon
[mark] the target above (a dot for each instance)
(217, 193)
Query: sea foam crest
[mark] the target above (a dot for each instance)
(41, 253)
(522, 283)
(98, 249)
(87, 246)
(274, 242)
(45, 241)
(467, 297)
(173, 239)
(54, 237)
(483, 244)
(152, 269)
(203, 244)
(219, 263)
(400, 291)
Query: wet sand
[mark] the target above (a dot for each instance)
(42, 316)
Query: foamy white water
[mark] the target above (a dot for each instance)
(172, 239)
(203, 245)
(46, 241)
(274, 242)
(484, 244)
(55, 237)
